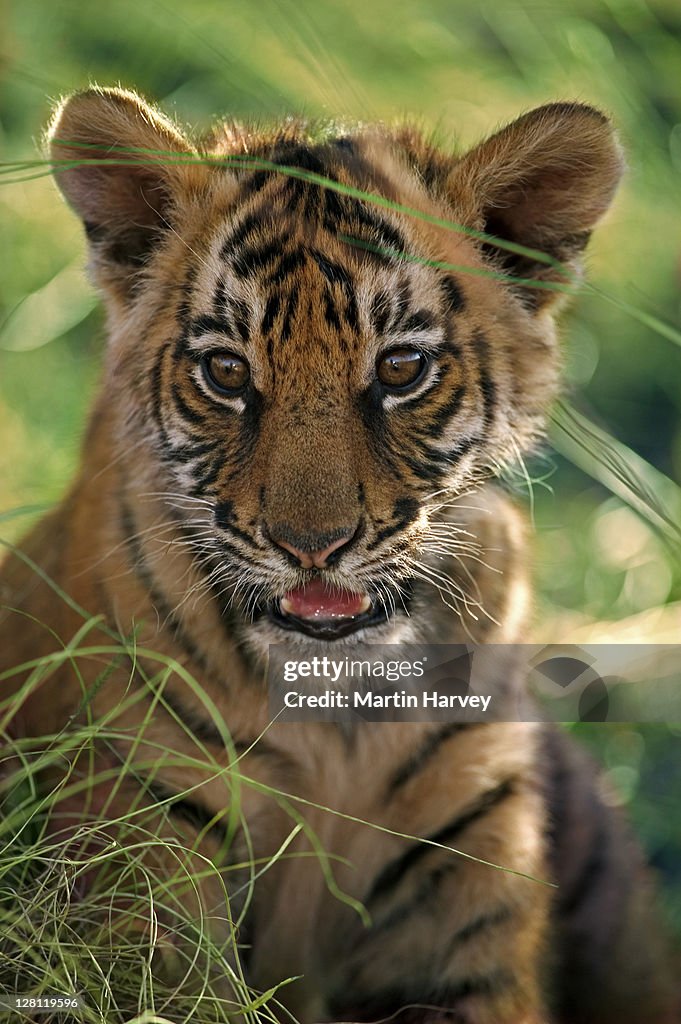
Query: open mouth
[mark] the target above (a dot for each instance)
(325, 612)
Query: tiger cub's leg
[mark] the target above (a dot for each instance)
(458, 923)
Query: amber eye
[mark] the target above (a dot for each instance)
(401, 368)
(226, 373)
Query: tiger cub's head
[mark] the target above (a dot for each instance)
(312, 347)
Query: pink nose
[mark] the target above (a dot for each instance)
(314, 559)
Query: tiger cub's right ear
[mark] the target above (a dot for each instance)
(123, 167)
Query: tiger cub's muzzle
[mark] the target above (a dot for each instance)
(318, 607)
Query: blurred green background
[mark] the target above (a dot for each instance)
(605, 568)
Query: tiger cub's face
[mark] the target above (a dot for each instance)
(308, 361)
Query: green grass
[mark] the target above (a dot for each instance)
(111, 912)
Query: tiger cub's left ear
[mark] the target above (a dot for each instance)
(544, 182)
(123, 167)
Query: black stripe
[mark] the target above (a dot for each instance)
(452, 348)
(406, 508)
(184, 305)
(333, 272)
(180, 347)
(454, 298)
(225, 519)
(191, 813)
(250, 223)
(387, 531)
(400, 305)
(200, 727)
(380, 230)
(330, 312)
(250, 428)
(430, 469)
(593, 868)
(301, 198)
(189, 452)
(352, 312)
(270, 314)
(475, 927)
(206, 475)
(157, 393)
(421, 320)
(419, 1003)
(418, 761)
(482, 984)
(404, 512)
(439, 418)
(393, 872)
(241, 317)
(463, 447)
(291, 153)
(487, 386)
(255, 182)
(371, 408)
(335, 209)
(344, 215)
(426, 892)
(419, 399)
(251, 260)
(224, 513)
(345, 144)
(207, 324)
(435, 464)
(288, 264)
(422, 900)
(219, 299)
(289, 314)
(241, 535)
(380, 311)
(183, 408)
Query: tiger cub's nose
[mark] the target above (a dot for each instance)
(313, 552)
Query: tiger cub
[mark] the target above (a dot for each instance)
(311, 379)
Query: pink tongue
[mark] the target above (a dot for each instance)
(317, 600)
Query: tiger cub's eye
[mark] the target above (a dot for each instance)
(401, 368)
(226, 373)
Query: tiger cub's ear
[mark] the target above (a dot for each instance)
(123, 167)
(544, 182)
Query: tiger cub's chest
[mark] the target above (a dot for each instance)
(363, 887)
